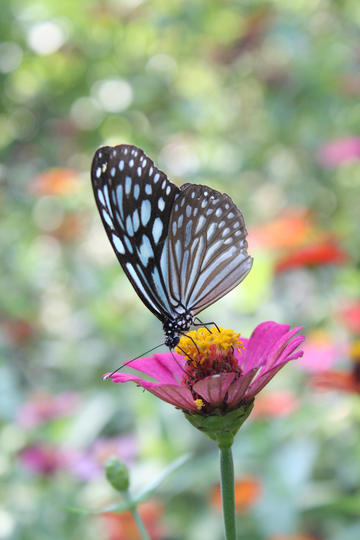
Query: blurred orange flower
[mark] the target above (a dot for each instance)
(326, 251)
(342, 380)
(123, 527)
(290, 229)
(56, 181)
(71, 227)
(247, 493)
(274, 404)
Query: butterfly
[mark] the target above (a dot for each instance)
(182, 248)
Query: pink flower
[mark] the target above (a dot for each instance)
(338, 151)
(321, 351)
(217, 371)
(43, 407)
(43, 459)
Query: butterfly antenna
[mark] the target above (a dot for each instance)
(184, 353)
(191, 339)
(176, 360)
(132, 360)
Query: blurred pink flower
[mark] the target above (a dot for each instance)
(320, 351)
(43, 407)
(221, 371)
(89, 464)
(43, 459)
(339, 151)
(47, 459)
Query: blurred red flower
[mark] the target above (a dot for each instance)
(350, 316)
(247, 493)
(339, 151)
(274, 404)
(322, 252)
(341, 380)
(122, 526)
(17, 331)
(56, 181)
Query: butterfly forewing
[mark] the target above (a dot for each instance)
(134, 199)
(207, 247)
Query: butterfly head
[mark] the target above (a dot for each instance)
(174, 327)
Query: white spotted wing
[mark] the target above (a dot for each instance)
(135, 199)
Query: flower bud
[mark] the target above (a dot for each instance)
(117, 474)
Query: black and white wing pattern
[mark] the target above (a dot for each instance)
(207, 247)
(181, 248)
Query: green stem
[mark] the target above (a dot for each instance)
(228, 492)
(135, 514)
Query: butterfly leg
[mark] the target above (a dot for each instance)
(205, 325)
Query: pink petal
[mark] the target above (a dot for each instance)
(238, 388)
(289, 349)
(166, 368)
(263, 339)
(213, 389)
(279, 350)
(176, 394)
(180, 396)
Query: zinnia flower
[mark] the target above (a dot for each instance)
(215, 371)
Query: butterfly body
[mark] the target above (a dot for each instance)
(181, 248)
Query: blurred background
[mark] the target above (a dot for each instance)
(255, 98)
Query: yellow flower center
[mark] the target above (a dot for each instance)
(199, 403)
(199, 344)
(355, 351)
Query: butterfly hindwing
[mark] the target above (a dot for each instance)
(207, 247)
(134, 199)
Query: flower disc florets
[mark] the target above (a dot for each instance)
(209, 352)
